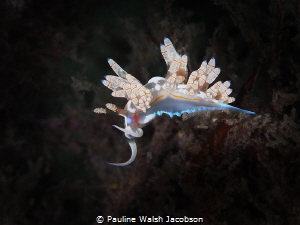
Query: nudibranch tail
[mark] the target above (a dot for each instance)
(238, 109)
(132, 145)
(174, 94)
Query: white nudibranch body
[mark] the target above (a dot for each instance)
(174, 94)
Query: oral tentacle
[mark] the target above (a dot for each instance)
(132, 145)
(130, 134)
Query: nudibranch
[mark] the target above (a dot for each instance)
(174, 94)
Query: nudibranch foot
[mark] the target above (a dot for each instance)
(132, 145)
(174, 94)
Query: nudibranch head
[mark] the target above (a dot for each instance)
(174, 94)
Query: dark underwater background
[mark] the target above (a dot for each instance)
(227, 168)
